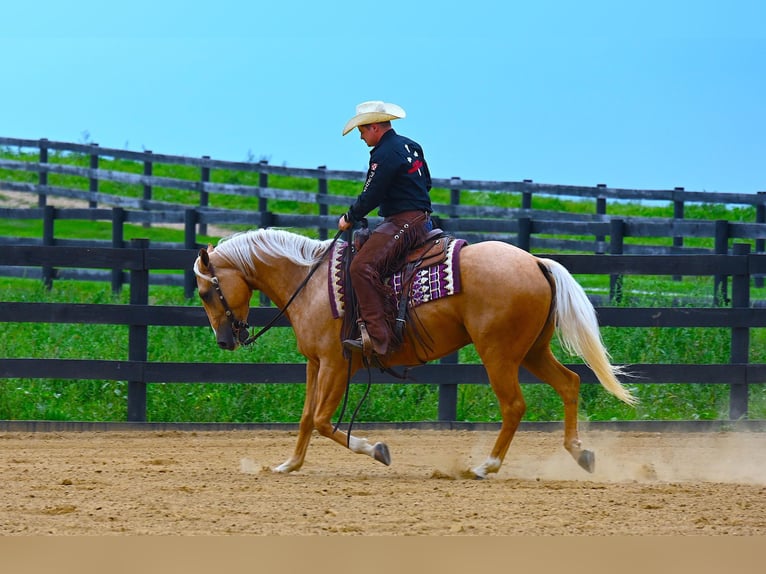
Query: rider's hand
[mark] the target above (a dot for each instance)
(343, 223)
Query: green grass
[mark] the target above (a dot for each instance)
(106, 400)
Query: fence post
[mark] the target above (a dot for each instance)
(137, 336)
(263, 208)
(42, 176)
(616, 247)
(93, 181)
(454, 196)
(720, 284)
(740, 336)
(322, 182)
(524, 233)
(148, 171)
(191, 217)
(760, 244)
(263, 181)
(204, 195)
(678, 213)
(118, 237)
(49, 217)
(448, 394)
(526, 197)
(600, 210)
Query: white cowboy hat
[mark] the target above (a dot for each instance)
(373, 112)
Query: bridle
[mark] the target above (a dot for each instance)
(240, 328)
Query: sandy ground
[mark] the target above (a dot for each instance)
(219, 483)
(186, 483)
(20, 199)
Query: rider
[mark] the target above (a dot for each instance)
(398, 183)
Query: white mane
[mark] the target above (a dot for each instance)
(240, 249)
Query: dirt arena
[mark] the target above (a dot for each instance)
(200, 483)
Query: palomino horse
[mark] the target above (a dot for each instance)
(509, 307)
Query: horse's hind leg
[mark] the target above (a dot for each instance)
(541, 363)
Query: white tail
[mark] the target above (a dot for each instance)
(579, 332)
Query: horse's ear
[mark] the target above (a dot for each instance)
(204, 260)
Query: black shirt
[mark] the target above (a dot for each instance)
(397, 180)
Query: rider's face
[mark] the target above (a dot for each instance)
(370, 134)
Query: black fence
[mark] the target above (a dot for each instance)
(618, 246)
(97, 155)
(138, 260)
(535, 235)
(53, 176)
(82, 172)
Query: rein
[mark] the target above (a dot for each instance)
(240, 328)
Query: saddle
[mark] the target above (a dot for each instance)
(432, 251)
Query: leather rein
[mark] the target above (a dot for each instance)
(240, 330)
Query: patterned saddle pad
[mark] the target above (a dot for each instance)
(428, 284)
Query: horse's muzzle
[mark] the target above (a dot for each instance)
(230, 336)
(225, 336)
(227, 345)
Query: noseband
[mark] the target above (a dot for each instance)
(240, 328)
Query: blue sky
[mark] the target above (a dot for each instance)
(651, 94)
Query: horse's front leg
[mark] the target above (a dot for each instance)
(379, 450)
(331, 385)
(306, 426)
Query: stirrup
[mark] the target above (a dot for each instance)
(363, 344)
(354, 345)
(366, 341)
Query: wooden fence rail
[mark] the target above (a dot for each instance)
(521, 227)
(94, 174)
(600, 192)
(532, 234)
(528, 228)
(139, 260)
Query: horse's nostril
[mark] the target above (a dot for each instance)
(223, 345)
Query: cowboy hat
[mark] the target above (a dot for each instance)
(372, 113)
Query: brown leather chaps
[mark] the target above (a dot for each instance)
(380, 256)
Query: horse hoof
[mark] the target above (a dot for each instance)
(471, 474)
(381, 454)
(587, 460)
(283, 468)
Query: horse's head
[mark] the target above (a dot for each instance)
(225, 296)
